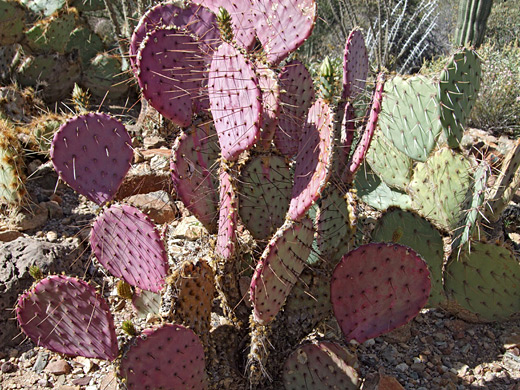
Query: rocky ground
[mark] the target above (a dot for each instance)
(434, 351)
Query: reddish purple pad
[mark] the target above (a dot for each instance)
(228, 217)
(283, 26)
(171, 72)
(127, 244)
(66, 315)
(169, 358)
(313, 162)
(296, 98)
(92, 154)
(279, 268)
(355, 65)
(377, 288)
(193, 166)
(235, 101)
(270, 88)
(197, 20)
(241, 18)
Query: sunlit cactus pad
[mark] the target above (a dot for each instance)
(235, 101)
(377, 288)
(194, 166)
(485, 281)
(66, 315)
(282, 26)
(171, 68)
(277, 271)
(297, 95)
(170, 357)
(270, 87)
(314, 160)
(227, 221)
(410, 115)
(92, 154)
(128, 245)
(355, 65)
(440, 187)
(264, 194)
(321, 365)
(408, 228)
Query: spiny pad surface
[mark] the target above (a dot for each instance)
(485, 281)
(297, 95)
(264, 195)
(282, 26)
(279, 268)
(355, 65)
(126, 242)
(197, 20)
(227, 221)
(66, 315)
(321, 365)
(194, 168)
(270, 87)
(313, 162)
(171, 72)
(169, 358)
(92, 154)
(235, 101)
(377, 288)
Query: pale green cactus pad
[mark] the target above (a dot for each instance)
(44, 7)
(410, 115)
(409, 229)
(391, 165)
(458, 90)
(485, 281)
(440, 187)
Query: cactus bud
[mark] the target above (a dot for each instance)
(128, 328)
(81, 99)
(35, 272)
(124, 290)
(327, 79)
(224, 24)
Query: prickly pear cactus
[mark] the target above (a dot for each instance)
(93, 165)
(270, 87)
(227, 221)
(146, 302)
(483, 282)
(377, 288)
(12, 22)
(12, 177)
(51, 34)
(407, 228)
(169, 357)
(321, 365)
(264, 194)
(127, 243)
(66, 315)
(355, 65)
(103, 77)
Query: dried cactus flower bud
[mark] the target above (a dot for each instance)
(35, 272)
(224, 24)
(124, 290)
(128, 328)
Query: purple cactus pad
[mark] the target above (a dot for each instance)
(377, 288)
(126, 243)
(66, 315)
(314, 160)
(92, 154)
(296, 97)
(235, 101)
(171, 74)
(227, 221)
(282, 26)
(270, 88)
(170, 357)
(355, 66)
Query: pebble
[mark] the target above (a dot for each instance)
(8, 367)
(41, 361)
(59, 367)
(403, 367)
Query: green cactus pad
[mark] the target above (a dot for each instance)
(44, 7)
(12, 22)
(485, 281)
(471, 216)
(335, 222)
(410, 115)
(374, 192)
(264, 194)
(51, 34)
(321, 365)
(409, 229)
(104, 74)
(391, 165)
(12, 188)
(440, 186)
(86, 42)
(146, 302)
(458, 90)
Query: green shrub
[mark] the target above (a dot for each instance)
(497, 108)
(503, 27)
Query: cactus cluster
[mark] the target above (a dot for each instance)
(289, 180)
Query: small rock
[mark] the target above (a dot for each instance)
(109, 382)
(58, 367)
(8, 367)
(157, 205)
(389, 383)
(189, 228)
(41, 361)
(31, 218)
(153, 142)
(54, 209)
(84, 381)
(512, 341)
(52, 236)
(399, 335)
(403, 367)
(9, 235)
